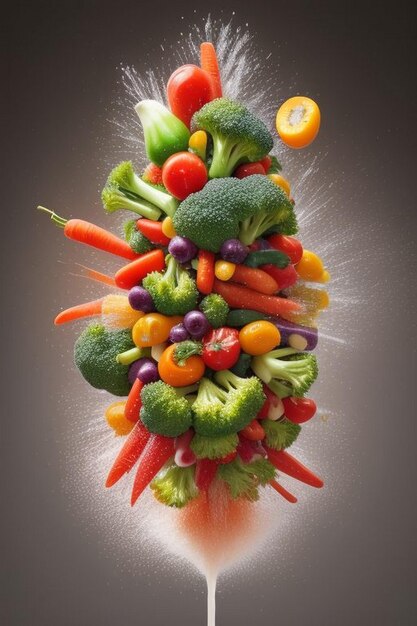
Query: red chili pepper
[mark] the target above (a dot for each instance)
(152, 231)
(283, 492)
(287, 464)
(134, 402)
(221, 348)
(129, 453)
(157, 452)
(205, 472)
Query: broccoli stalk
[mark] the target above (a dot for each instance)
(286, 371)
(236, 133)
(176, 486)
(125, 186)
(243, 479)
(282, 216)
(165, 409)
(174, 292)
(223, 410)
(280, 434)
(215, 308)
(213, 447)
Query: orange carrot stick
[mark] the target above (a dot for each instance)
(209, 63)
(87, 309)
(239, 297)
(132, 273)
(99, 277)
(255, 278)
(205, 271)
(92, 235)
(134, 401)
(283, 492)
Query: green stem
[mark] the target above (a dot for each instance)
(128, 357)
(59, 221)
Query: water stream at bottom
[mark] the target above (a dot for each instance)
(211, 578)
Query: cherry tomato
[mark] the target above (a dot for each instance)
(298, 121)
(180, 375)
(259, 337)
(248, 169)
(266, 163)
(289, 245)
(115, 416)
(153, 329)
(184, 173)
(284, 277)
(310, 266)
(299, 410)
(221, 348)
(188, 89)
(253, 431)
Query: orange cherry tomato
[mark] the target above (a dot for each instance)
(180, 375)
(153, 329)
(259, 337)
(298, 121)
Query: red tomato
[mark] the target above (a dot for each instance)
(221, 348)
(266, 163)
(299, 410)
(153, 174)
(284, 277)
(228, 458)
(248, 169)
(184, 173)
(253, 431)
(188, 89)
(289, 245)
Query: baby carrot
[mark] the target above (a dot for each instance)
(129, 453)
(92, 235)
(156, 453)
(88, 309)
(287, 464)
(209, 63)
(255, 278)
(238, 297)
(134, 402)
(205, 271)
(283, 492)
(152, 231)
(132, 273)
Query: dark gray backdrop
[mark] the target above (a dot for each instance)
(61, 61)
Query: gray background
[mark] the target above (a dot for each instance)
(353, 558)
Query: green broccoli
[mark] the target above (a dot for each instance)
(125, 189)
(95, 353)
(174, 292)
(226, 409)
(213, 447)
(215, 308)
(280, 434)
(228, 207)
(165, 410)
(287, 372)
(136, 240)
(275, 166)
(237, 135)
(243, 479)
(175, 486)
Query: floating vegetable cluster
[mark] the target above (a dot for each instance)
(209, 333)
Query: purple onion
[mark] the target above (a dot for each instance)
(196, 324)
(182, 249)
(135, 368)
(295, 336)
(234, 251)
(148, 373)
(178, 333)
(141, 300)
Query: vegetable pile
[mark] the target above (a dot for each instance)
(208, 334)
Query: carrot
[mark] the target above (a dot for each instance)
(134, 402)
(255, 278)
(283, 492)
(156, 453)
(129, 453)
(152, 231)
(209, 63)
(99, 277)
(205, 271)
(131, 274)
(92, 235)
(87, 309)
(239, 297)
(287, 464)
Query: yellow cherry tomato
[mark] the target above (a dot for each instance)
(168, 227)
(224, 270)
(310, 266)
(115, 416)
(198, 143)
(152, 329)
(281, 182)
(259, 337)
(298, 121)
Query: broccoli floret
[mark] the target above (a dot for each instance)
(213, 447)
(287, 372)
(95, 353)
(174, 292)
(226, 205)
(124, 183)
(165, 410)
(136, 240)
(236, 133)
(215, 308)
(243, 479)
(222, 410)
(175, 487)
(280, 434)
(275, 166)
